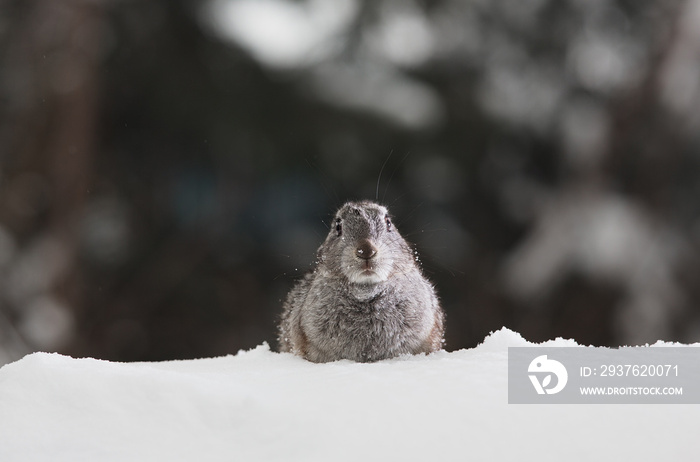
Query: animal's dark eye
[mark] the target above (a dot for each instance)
(388, 223)
(339, 226)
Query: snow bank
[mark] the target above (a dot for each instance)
(261, 405)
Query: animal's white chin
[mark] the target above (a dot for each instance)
(365, 276)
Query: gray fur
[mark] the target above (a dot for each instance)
(366, 300)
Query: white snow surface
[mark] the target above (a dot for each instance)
(264, 406)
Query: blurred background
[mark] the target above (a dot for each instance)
(169, 167)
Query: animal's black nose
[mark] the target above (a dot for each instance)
(366, 250)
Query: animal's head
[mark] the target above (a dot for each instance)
(363, 244)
